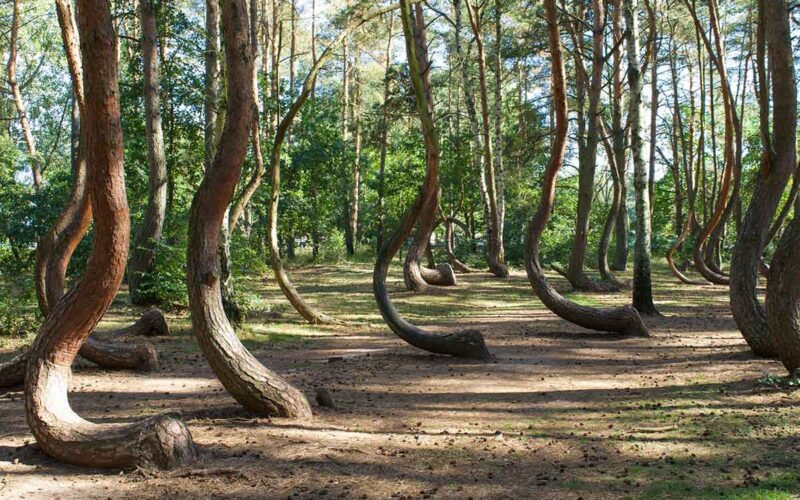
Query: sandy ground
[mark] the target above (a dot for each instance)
(562, 413)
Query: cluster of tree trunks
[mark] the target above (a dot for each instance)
(624, 320)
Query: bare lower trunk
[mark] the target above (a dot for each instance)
(468, 343)
(622, 225)
(611, 218)
(457, 265)
(496, 253)
(60, 432)
(623, 320)
(246, 379)
(149, 235)
(779, 157)
(642, 281)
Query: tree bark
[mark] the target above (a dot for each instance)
(496, 253)
(384, 145)
(642, 284)
(778, 161)
(246, 379)
(613, 214)
(623, 320)
(619, 134)
(588, 122)
(715, 53)
(149, 234)
(468, 343)
(60, 432)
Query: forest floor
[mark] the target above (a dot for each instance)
(562, 413)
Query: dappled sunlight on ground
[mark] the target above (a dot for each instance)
(563, 412)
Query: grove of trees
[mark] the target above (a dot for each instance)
(164, 152)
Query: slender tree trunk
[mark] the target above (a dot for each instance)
(384, 146)
(211, 80)
(778, 162)
(59, 431)
(149, 235)
(499, 167)
(611, 218)
(495, 251)
(622, 226)
(16, 93)
(642, 285)
(468, 343)
(625, 319)
(246, 379)
(355, 187)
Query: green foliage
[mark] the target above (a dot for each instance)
(19, 311)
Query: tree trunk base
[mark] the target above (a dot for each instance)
(162, 442)
(443, 275)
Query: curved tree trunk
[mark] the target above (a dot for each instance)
(418, 278)
(623, 320)
(298, 302)
(687, 227)
(246, 379)
(60, 432)
(468, 343)
(55, 249)
(778, 160)
(715, 53)
(457, 265)
(149, 234)
(613, 215)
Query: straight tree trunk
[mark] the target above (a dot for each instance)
(384, 145)
(211, 80)
(16, 93)
(246, 379)
(623, 320)
(149, 235)
(496, 253)
(642, 284)
(622, 226)
(59, 431)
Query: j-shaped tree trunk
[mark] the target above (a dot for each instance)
(468, 343)
(619, 134)
(623, 320)
(418, 278)
(55, 249)
(778, 160)
(715, 53)
(496, 252)
(246, 379)
(613, 213)
(642, 284)
(149, 234)
(449, 237)
(60, 432)
(16, 94)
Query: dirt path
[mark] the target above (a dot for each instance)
(563, 413)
